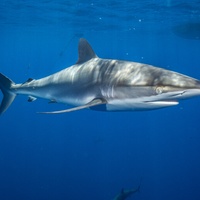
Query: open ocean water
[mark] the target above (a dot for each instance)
(92, 155)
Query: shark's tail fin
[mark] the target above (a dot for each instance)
(9, 96)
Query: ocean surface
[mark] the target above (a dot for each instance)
(92, 155)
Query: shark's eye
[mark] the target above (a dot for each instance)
(159, 90)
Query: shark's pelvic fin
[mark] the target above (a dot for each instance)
(85, 51)
(31, 99)
(52, 101)
(5, 85)
(94, 102)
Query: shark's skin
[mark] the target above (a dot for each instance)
(105, 84)
(124, 194)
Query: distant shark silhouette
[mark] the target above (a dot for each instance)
(190, 30)
(124, 194)
(104, 84)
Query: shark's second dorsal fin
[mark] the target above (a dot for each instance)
(85, 51)
(28, 81)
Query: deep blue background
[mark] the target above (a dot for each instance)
(87, 154)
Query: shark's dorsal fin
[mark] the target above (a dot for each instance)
(94, 102)
(85, 51)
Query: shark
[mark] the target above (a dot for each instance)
(104, 85)
(124, 194)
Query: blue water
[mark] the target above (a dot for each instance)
(93, 155)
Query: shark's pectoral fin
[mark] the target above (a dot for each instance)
(94, 102)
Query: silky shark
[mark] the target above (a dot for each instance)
(104, 84)
(124, 194)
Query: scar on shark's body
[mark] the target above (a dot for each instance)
(105, 85)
